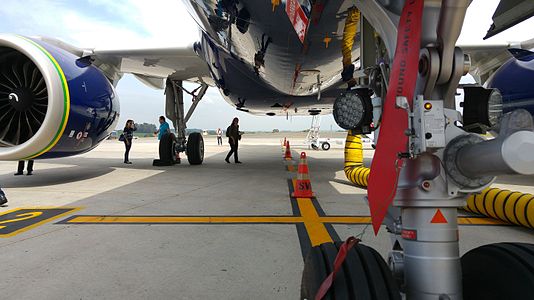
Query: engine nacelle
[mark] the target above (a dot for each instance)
(52, 103)
(514, 81)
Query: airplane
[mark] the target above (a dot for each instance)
(304, 57)
(266, 58)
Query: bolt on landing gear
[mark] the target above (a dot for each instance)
(171, 145)
(443, 163)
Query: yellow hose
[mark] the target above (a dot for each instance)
(505, 205)
(355, 171)
(349, 33)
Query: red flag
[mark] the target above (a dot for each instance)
(392, 140)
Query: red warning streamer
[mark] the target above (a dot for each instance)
(392, 140)
(338, 262)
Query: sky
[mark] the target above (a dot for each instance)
(123, 24)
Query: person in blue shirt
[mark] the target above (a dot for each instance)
(3, 198)
(163, 127)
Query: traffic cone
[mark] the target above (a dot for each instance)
(287, 155)
(303, 185)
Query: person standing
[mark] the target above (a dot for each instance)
(163, 128)
(128, 130)
(20, 169)
(219, 137)
(3, 198)
(233, 134)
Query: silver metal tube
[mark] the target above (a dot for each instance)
(449, 27)
(509, 155)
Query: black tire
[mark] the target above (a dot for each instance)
(195, 149)
(364, 274)
(499, 271)
(167, 148)
(325, 146)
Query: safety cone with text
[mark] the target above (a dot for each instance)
(303, 185)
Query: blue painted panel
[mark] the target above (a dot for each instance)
(515, 81)
(94, 105)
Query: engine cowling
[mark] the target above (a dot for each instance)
(52, 102)
(514, 81)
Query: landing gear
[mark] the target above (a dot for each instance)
(364, 274)
(325, 146)
(435, 170)
(193, 145)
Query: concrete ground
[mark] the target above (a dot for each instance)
(177, 256)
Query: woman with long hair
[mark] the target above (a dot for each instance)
(233, 134)
(128, 130)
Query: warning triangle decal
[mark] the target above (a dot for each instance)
(439, 218)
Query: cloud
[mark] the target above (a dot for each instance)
(102, 23)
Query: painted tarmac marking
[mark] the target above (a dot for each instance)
(18, 220)
(313, 222)
(313, 226)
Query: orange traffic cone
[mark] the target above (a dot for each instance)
(303, 185)
(287, 155)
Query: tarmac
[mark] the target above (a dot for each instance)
(91, 227)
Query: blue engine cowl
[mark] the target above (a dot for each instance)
(52, 103)
(514, 79)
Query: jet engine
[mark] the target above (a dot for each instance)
(53, 103)
(514, 81)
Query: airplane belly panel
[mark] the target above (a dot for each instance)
(288, 45)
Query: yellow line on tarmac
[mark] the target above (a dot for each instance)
(346, 220)
(313, 223)
(480, 221)
(309, 217)
(185, 219)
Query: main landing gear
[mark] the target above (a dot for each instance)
(171, 145)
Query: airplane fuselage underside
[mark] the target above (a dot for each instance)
(259, 61)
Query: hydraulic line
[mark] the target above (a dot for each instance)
(355, 171)
(509, 206)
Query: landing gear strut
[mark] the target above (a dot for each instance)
(441, 165)
(172, 145)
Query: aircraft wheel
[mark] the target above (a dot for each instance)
(195, 149)
(325, 146)
(314, 147)
(167, 148)
(499, 271)
(364, 274)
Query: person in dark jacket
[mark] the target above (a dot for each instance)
(3, 198)
(20, 168)
(233, 134)
(128, 130)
